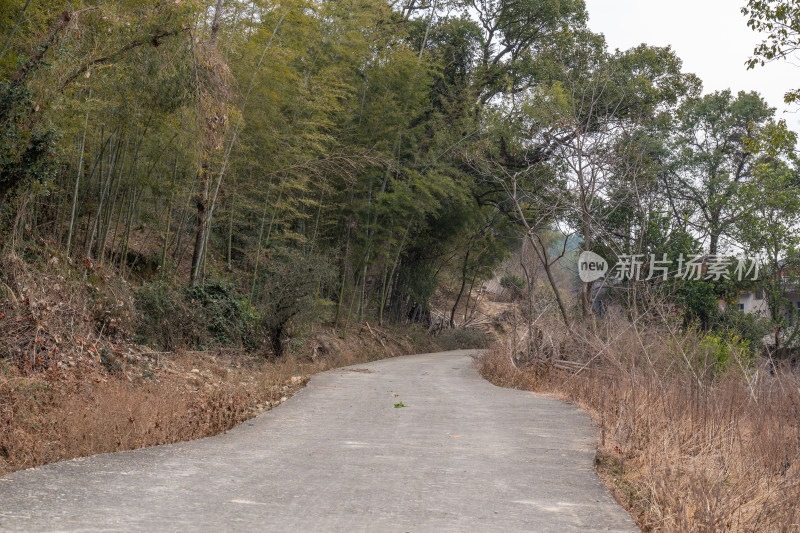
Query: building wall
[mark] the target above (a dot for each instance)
(750, 304)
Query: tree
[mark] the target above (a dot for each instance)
(593, 121)
(711, 159)
(485, 246)
(780, 21)
(517, 39)
(767, 228)
(291, 284)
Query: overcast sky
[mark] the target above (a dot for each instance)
(711, 36)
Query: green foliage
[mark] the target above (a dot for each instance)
(774, 139)
(748, 327)
(768, 229)
(223, 309)
(290, 287)
(196, 317)
(513, 283)
(704, 179)
(768, 224)
(27, 151)
(699, 301)
(718, 351)
(779, 21)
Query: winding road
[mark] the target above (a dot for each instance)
(462, 455)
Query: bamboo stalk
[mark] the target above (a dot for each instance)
(78, 179)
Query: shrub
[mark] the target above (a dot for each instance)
(291, 286)
(163, 321)
(224, 312)
(195, 317)
(747, 326)
(718, 350)
(513, 282)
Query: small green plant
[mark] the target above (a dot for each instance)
(399, 405)
(213, 314)
(513, 283)
(749, 327)
(722, 349)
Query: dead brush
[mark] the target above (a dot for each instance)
(72, 384)
(56, 414)
(48, 316)
(686, 443)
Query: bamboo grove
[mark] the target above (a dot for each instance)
(346, 154)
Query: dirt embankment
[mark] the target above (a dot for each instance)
(72, 383)
(142, 398)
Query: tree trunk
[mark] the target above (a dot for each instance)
(201, 204)
(71, 230)
(713, 243)
(346, 256)
(276, 338)
(461, 291)
(586, 288)
(469, 296)
(258, 248)
(542, 255)
(216, 22)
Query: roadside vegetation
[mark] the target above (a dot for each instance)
(696, 432)
(78, 378)
(144, 398)
(694, 387)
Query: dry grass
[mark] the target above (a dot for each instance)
(59, 414)
(72, 384)
(685, 444)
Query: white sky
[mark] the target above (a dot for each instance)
(712, 38)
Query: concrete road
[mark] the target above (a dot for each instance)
(462, 455)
